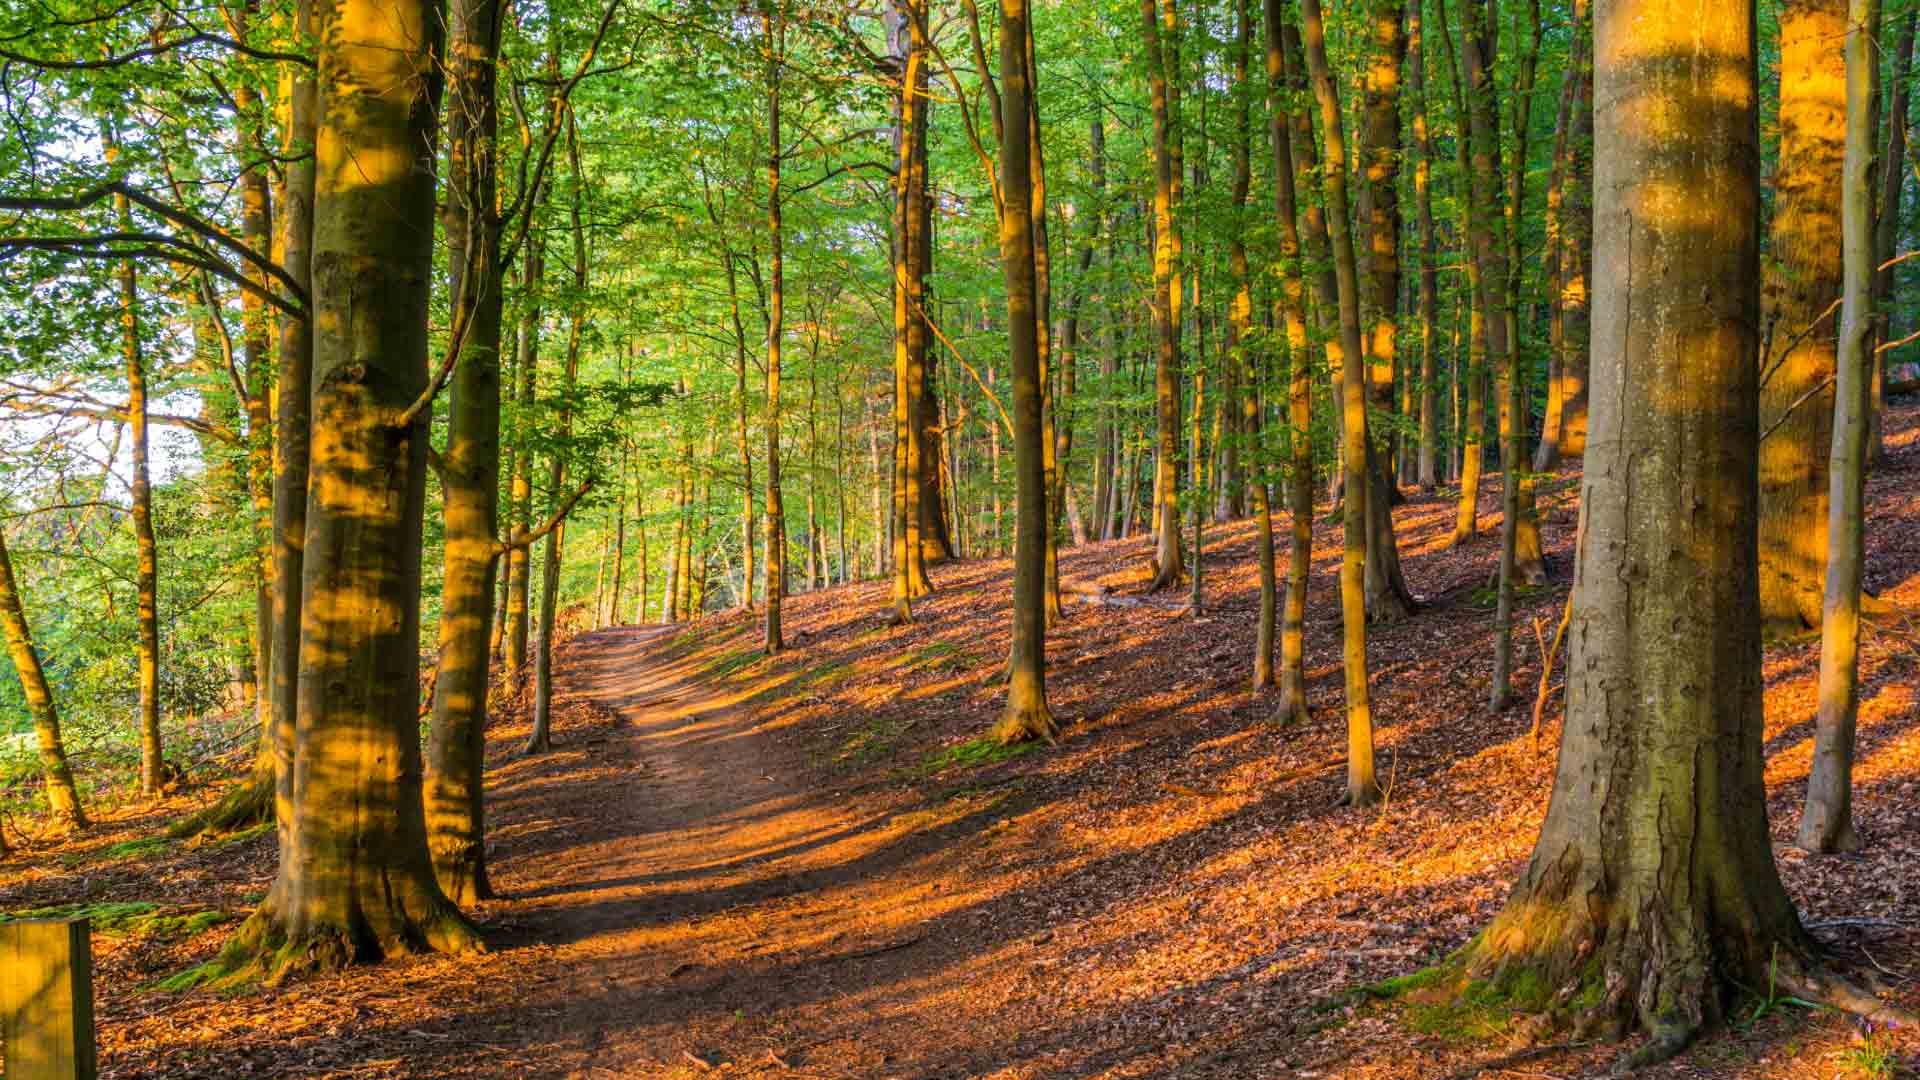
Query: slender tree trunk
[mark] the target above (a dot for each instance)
(773, 22)
(1827, 823)
(356, 880)
(909, 319)
(1388, 597)
(1163, 82)
(1472, 225)
(540, 740)
(1428, 473)
(470, 474)
(520, 559)
(1026, 715)
(63, 798)
(1893, 173)
(1284, 80)
(1362, 789)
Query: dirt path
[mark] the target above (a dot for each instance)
(711, 909)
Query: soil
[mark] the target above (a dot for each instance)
(813, 866)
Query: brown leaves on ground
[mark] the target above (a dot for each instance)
(816, 866)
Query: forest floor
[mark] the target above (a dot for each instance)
(813, 866)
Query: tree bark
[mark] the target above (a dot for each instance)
(1827, 823)
(1026, 715)
(1652, 895)
(356, 881)
(773, 23)
(470, 476)
(1162, 88)
(63, 798)
(1801, 284)
(1362, 789)
(1428, 472)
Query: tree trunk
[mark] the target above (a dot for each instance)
(153, 766)
(909, 319)
(1388, 597)
(1428, 473)
(1284, 81)
(773, 22)
(520, 559)
(1827, 823)
(470, 475)
(63, 798)
(356, 881)
(1026, 715)
(1893, 172)
(1652, 889)
(1801, 285)
(1162, 89)
(540, 740)
(1362, 789)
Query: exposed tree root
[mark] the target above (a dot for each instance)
(1021, 724)
(267, 950)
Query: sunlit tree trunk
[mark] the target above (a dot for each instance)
(1827, 823)
(470, 472)
(1163, 82)
(1241, 353)
(1388, 597)
(743, 443)
(909, 319)
(1052, 460)
(773, 23)
(1427, 473)
(1474, 417)
(356, 881)
(1284, 81)
(1652, 891)
(1801, 286)
(1026, 715)
(1362, 789)
(527, 366)
(63, 798)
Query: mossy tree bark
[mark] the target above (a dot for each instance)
(1801, 286)
(1652, 895)
(470, 476)
(1362, 788)
(356, 881)
(1827, 823)
(63, 798)
(1026, 715)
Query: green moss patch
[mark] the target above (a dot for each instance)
(131, 919)
(125, 849)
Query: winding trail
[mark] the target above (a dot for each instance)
(699, 906)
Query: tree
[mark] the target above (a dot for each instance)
(1026, 715)
(1827, 823)
(63, 798)
(1652, 892)
(355, 879)
(1801, 288)
(1163, 81)
(1362, 789)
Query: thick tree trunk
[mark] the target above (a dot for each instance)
(1827, 823)
(1026, 715)
(470, 476)
(356, 881)
(909, 319)
(1362, 789)
(1652, 895)
(63, 798)
(1802, 284)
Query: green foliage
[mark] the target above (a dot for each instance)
(1872, 1058)
(131, 919)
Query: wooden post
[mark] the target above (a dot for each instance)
(46, 999)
